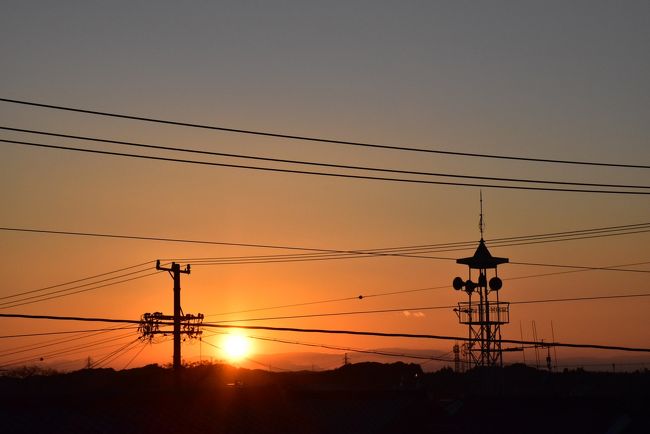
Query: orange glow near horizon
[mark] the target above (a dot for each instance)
(448, 77)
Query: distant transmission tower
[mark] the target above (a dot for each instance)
(457, 362)
(484, 316)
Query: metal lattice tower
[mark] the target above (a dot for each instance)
(484, 316)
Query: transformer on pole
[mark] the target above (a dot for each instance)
(484, 313)
(183, 324)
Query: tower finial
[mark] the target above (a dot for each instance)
(481, 225)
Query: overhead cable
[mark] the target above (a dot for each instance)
(420, 308)
(493, 242)
(325, 174)
(340, 348)
(317, 139)
(330, 331)
(68, 350)
(363, 296)
(403, 252)
(319, 164)
(420, 336)
(77, 280)
(133, 237)
(60, 294)
(25, 335)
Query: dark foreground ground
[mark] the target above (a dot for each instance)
(361, 398)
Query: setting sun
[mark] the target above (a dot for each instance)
(236, 346)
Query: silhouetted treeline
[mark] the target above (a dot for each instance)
(356, 398)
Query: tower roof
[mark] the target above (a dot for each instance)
(482, 258)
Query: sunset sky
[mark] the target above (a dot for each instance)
(564, 80)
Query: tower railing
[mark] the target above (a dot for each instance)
(476, 313)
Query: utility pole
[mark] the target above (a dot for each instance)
(175, 271)
(182, 324)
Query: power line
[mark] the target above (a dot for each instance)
(56, 333)
(66, 289)
(355, 350)
(339, 348)
(372, 311)
(581, 267)
(111, 357)
(320, 250)
(73, 350)
(321, 315)
(318, 164)
(135, 356)
(406, 252)
(317, 139)
(61, 340)
(420, 308)
(600, 231)
(133, 237)
(245, 358)
(327, 174)
(597, 297)
(361, 256)
(265, 259)
(331, 300)
(172, 240)
(402, 251)
(403, 291)
(69, 318)
(329, 331)
(17, 303)
(33, 347)
(555, 273)
(132, 344)
(420, 336)
(393, 251)
(58, 285)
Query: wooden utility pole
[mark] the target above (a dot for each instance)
(175, 271)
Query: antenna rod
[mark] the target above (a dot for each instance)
(480, 220)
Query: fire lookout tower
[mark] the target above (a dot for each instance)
(485, 315)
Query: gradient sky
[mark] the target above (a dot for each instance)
(566, 80)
